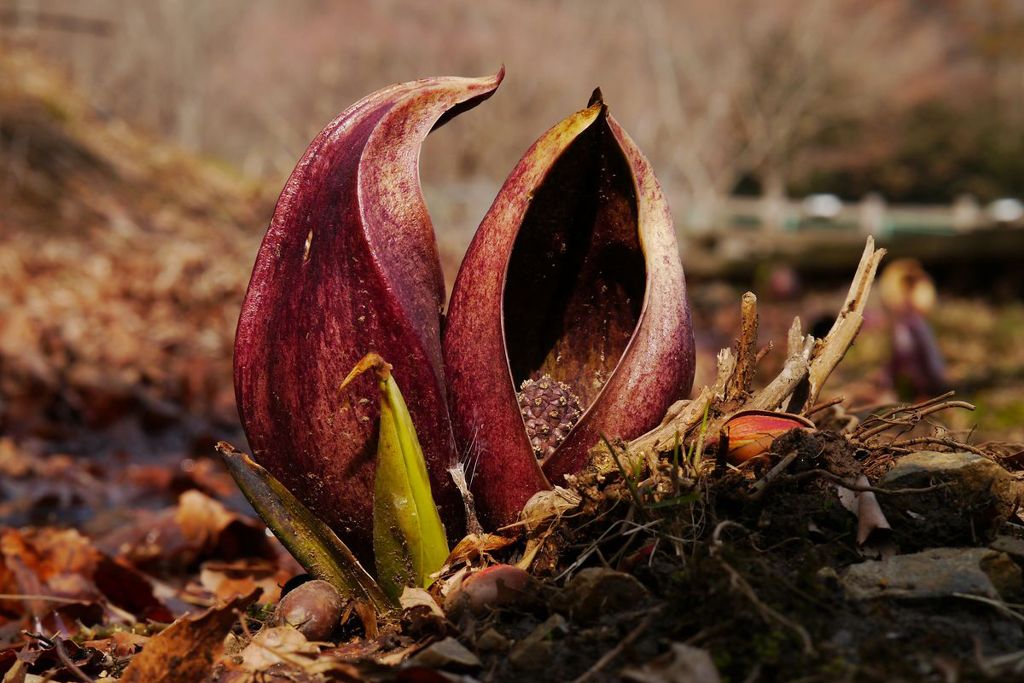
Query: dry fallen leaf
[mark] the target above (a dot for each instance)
(872, 526)
(187, 649)
(279, 644)
(199, 528)
(225, 580)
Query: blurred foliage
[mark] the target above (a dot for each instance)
(921, 101)
(938, 152)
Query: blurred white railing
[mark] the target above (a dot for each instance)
(871, 215)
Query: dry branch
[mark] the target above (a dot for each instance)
(741, 382)
(808, 364)
(838, 340)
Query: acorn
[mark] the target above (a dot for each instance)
(314, 608)
(550, 410)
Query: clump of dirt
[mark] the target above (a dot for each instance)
(756, 583)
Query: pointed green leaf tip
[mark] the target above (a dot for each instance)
(409, 542)
(303, 534)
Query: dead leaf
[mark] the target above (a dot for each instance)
(225, 580)
(199, 528)
(872, 526)
(545, 506)
(413, 597)
(120, 644)
(474, 548)
(278, 644)
(187, 649)
(446, 654)
(64, 564)
(422, 617)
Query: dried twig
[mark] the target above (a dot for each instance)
(741, 381)
(62, 655)
(838, 340)
(824, 405)
(689, 416)
(808, 365)
(914, 414)
(741, 584)
(905, 444)
(794, 370)
(808, 474)
(792, 373)
(630, 484)
(762, 485)
(765, 350)
(607, 657)
(1002, 606)
(767, 612)
(916, 406)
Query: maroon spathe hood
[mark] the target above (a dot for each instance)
(349, 265)
(574, 274)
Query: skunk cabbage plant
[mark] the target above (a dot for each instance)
(568, 319)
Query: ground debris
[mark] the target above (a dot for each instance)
(937, 573)
(188, 648)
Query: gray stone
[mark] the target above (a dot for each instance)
(1012, 546)
(935, 573)
(446, 654)
(970, 473)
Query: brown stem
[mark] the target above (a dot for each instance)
(950, 443)
(762, 485)
(834, 346)
(915, 415)
(824, 405)
(742, 379)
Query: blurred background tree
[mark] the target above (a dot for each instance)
(738, 103)
(917, 100)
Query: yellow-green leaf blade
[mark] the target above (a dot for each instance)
(316, 547)
(409, 538)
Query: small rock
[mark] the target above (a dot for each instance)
(935, 573)
(1012, 546)
(978, 497)
(492, 641)
(972, 472)
(597, 591)
(535, 650)
(681, 664)
(447, 654)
